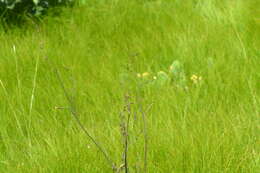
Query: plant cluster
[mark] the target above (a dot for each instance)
(12, 8)
(175, 76)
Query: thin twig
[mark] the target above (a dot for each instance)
(124, 126)
(75, 115)
(128, 107)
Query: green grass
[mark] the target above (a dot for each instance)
(208, 128)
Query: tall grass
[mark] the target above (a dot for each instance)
(212, 127)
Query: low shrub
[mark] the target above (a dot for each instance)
(13, 10)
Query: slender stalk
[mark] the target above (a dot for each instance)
(128, 108)
(75, 115)
(33, 89)
(145, 134)
(12, 108)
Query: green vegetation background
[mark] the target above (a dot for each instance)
(208, 128)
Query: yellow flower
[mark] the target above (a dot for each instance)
(145, 74)
(195, 79)
(171, 67)
(139, 75)
(154, 77)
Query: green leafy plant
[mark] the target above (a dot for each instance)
(14, 9)
(177, 73)
(161, 79)
(176, 76)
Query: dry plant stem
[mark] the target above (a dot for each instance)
(75, 115)
(128, 109)
(124, 126)
(145, 134)
(123, 132)
(145, 138)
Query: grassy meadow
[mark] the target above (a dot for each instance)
(99, 52)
